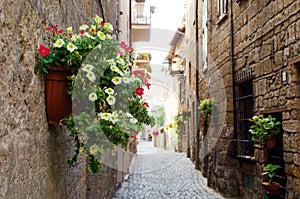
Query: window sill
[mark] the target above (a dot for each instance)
(222, 19)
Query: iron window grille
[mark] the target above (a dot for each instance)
(242, 146)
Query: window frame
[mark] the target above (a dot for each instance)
(222, 9)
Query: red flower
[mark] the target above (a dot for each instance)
(133, 136)
(59, 31)
(69, 35)
(52, 27)
(145, 104)
(102, 23)
(82, 32)
(139, 91)
(148, 85)
(43, 50)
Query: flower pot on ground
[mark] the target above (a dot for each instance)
(265, 128)
(270, 187)
(58, 101)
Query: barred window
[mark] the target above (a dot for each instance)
(242, 145)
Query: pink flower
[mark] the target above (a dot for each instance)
(43, 50)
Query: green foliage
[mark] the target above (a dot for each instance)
(160, 119)
(206, 107)
(264, 127)
(179, 120)
(107, 108)
(269, 170)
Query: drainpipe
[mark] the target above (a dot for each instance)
(233, 62)
(117, 19)
(130, 24)
(102, 10)
(197, 163)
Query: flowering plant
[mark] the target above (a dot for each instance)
(108, 106)
(179, 119)
(70, 49)
(206, 107)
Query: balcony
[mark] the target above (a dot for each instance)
(176, 67)
(141, 20)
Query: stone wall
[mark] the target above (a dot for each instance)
(266, 39)
(32, 154)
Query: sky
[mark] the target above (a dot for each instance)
(164, 23)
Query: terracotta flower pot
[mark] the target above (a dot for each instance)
(271, 142)
(271, 188)
(58, 101)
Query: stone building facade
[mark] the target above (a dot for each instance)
(249, 62)
(32, 153)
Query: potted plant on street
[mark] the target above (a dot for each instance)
(265, 128)
(270, 186)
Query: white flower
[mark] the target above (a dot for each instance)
(88, 35)
(98, 19)
(111, 100)
(109, 91)
(105, 116)
(91, 76)
(113, 119)
(75, 37)
(111, 62)
(93, 27)
(94, 149)
(128, 115)
(101, 35)
(108, 27)
(126, 80)
(83, 27)
(114, 68)
(109, 37)
(71, 47)
(121, 61)
(99, 46)
(70, 30)
(59, 43)
(116, 113)
(116, 80)
(87, 67)
(92, 97)
(120, 72)
(133, 120)
(132, 78)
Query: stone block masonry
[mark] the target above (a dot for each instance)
(32, 154)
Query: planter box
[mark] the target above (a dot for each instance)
(58, 101)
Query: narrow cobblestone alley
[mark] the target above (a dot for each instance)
(157, 173)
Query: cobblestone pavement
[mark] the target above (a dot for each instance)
(160, 174)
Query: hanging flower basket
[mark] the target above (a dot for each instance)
(58, 101)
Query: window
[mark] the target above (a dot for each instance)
(222, 8)
(242, 147)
